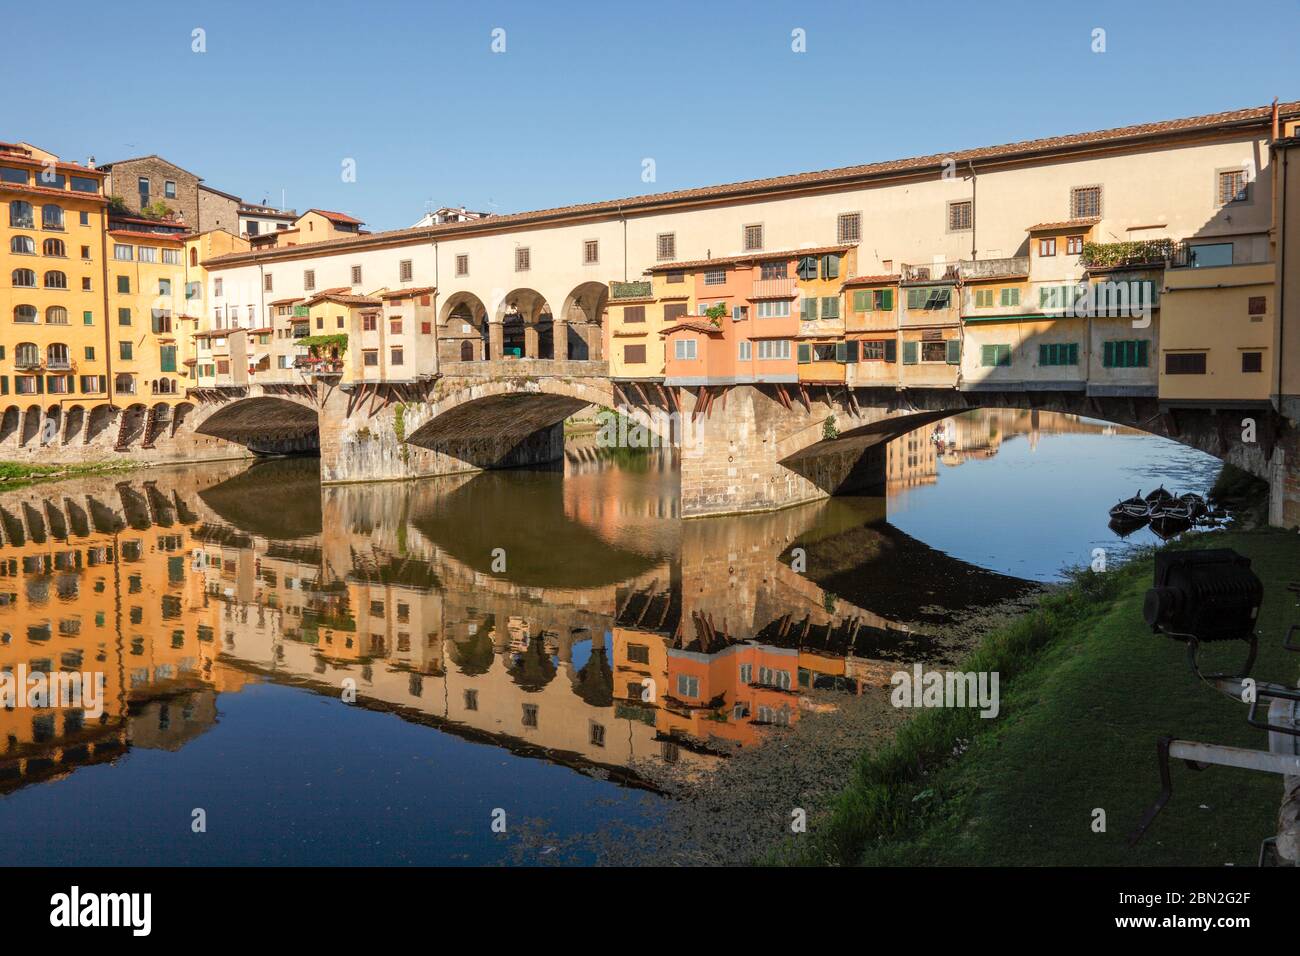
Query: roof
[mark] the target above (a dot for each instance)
(47, 191)
(213, 189)
(336, 216)
(151, 236)
(1064, 224)
(871, 280)
(136, 159)
(1259, 116)
(408, 293)
(287, 301)
(254, 209)
(18, 153)
(343, 297)
(747, 257)
(708, 328)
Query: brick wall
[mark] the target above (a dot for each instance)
(124, 177)
(217, 212)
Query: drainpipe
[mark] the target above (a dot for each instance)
(974, 223)
(108, 353)
(437, 346)
(1281, 267)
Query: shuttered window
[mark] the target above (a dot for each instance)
(994, 355)
(910, 352)
(634, 313)
(830, 307)
(634, 354)
(1184, 363)
(1125, 353)
(674, 311)
(1058, 353)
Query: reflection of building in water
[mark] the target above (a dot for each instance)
(679, 641)
(100, 583)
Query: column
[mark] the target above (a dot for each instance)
(560, 336)
(530, 337)
(496, 338)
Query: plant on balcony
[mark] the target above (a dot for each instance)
(338, 341)
(629, 290)
(1108, 255)
(715, 312)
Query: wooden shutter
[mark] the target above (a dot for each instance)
(808, 310)
(891, 350)
(830, 266)
(954, 351)
(1142, 356)
(634, 313)
(910, 352)
(842, 351)
(830, 307)
(805, 353)
(862, 301)
(674, 311)
(634, 354)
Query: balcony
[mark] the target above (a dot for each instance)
(932, 272)
(1123, 255)
(994, 268)
(782, 288)
(629, 290)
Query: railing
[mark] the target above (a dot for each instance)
(1115, 255)
(629, 290)
(932, 272)
(773, 288)
(993, 268)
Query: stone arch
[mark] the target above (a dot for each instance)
(583, 318)
(180, 415)
(519, 315)
(462, 309)
(9, 424)
(52, 425)
(131, 425)
(31, 427)
(266, 425)
(73, 422)
(99, 421)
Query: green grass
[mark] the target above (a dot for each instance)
(1086, 691)
(16, 473)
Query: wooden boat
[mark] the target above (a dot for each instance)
(1158, 496)
(1166, 526)
(1174, 509)
(1195, 504)
(1124, 527)
(1131, 510)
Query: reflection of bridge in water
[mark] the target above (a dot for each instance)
(616, 637)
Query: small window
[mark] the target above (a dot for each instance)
(169, 189)
(1256, 305)
(523, 259)
(1047, 247)
(462, 265)
(216, 288)
(634, 354)
(266, 283)
(395, 356)
(960, 215)
(634, 313)
(1073, 245)
(666, 246)
(753, 238)
(370, 358)
(746, 350)
(308, 280)
(1252, 361)
(994, 355)
(684, 349)
(356, 275)
(675, 277)
(848, 228)
(590, 252)
(405, 270)
(1184, 363)
(1085, 202)
(715, 277)
(1233, 186)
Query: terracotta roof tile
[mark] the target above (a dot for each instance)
(848, 175)
(747, 257)
(1064, 224)
(871, 280)
(408, 293)
(706, 327)
(337, 216)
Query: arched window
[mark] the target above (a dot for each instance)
(20, 215)
(54, 247)
(27, 355)
(51, 217)
(467, 351)
(194, 256)
(55, 280)
(24, 278)
(57, 356)
(22, 245)
(124, 383)
(56, 315)
(25, 313)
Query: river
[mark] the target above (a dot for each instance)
(526, 666)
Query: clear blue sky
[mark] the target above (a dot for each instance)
(709, 89)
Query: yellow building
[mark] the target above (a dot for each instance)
(51, 291)
(146, 277)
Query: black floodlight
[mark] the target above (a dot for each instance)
(1205, 596)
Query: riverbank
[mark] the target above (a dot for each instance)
(17, 474)
(1086, 690)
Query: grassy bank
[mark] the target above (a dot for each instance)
(1086, 690)
(15, 474)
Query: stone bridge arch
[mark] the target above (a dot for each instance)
(264, 424)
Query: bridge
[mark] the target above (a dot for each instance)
(742, 447)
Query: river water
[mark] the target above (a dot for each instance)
(508, 667)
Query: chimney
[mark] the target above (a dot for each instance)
(90, 160)
(1276, 130)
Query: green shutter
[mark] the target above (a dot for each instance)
(1004, 355)
(887, 300)
(830, 266)
(891, 350)
(805, 353)
(1044, 355)
(954, 351)
(851, 351)
(167, 358)
(910, 350)
(808, 309)
(842, 351)
(1142, 357)
(988, 355)
(830, 307)
(1072, 354)
(862, 301)
(1108, 355)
